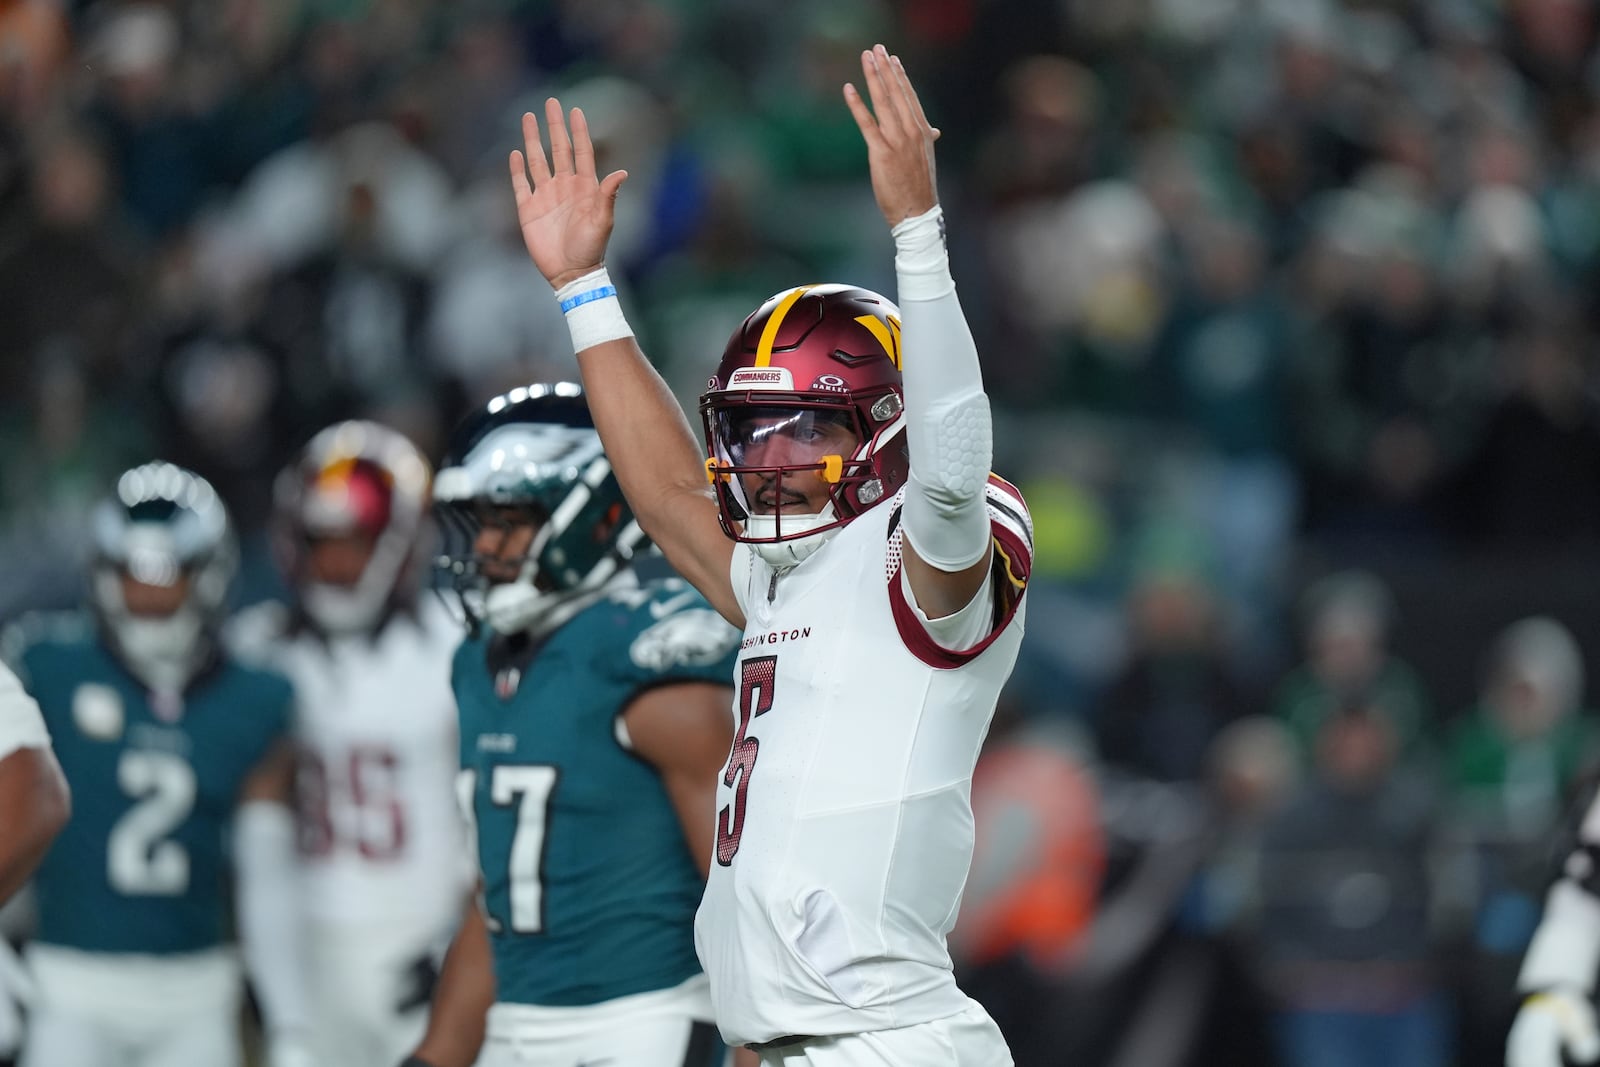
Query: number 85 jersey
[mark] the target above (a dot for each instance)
(142, 864)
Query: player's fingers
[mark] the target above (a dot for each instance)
(894, 112)
(862, 115)
(878, 91)
(612, 185)
(582, 145)
(538, 165)
(560, 143)
(909, 94)
(520, 187)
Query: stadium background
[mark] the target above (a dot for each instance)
(1287, 309)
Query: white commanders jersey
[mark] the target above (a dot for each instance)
(380, 834)
(21, 724)
(844, 824)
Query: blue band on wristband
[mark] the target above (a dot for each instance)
(583, 298)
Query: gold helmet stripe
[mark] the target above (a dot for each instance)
(888, 336)
(769, 332)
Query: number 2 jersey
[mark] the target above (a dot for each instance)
(589, 886)
(845, 825)
(142, 866)
(380, 837)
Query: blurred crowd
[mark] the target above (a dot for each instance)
(1288, 313)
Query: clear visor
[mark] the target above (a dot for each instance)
(772, 437)
(783, 458)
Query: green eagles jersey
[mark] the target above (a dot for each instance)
(142, 864)
(589, 887)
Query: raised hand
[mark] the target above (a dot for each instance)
(898, 135)
(566, 211)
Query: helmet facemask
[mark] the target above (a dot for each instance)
(503, 589)
(808, 365)
(532, 467)
(790, 470)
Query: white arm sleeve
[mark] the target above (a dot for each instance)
(268, 903)
(948, 429)
(21, 725)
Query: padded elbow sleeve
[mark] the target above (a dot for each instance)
(946, 515)
(948, 430)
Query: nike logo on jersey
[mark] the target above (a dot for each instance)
(667, 607)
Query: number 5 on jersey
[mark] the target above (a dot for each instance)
(755, 698)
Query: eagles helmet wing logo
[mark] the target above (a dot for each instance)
(695, 638)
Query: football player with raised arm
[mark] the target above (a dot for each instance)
(593, 729)
(847, 519)
(383, 864)
(181, 770)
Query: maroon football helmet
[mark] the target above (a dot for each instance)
(353, 479)
(810, 382)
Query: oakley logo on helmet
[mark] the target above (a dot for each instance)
(830, 383)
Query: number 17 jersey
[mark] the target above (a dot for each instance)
(589, 886)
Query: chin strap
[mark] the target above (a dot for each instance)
(792, 550)
(515, 608)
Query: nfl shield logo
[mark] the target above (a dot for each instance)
(506, 682)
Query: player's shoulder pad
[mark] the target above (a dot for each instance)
(675, 629)
(38, 628)
(1009, 517)
(1011, 527)
(253, 635)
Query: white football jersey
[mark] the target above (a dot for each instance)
(380, 834)
(21, 724)
(844, 825)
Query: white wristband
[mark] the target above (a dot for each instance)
(593, 312)
(921, 263)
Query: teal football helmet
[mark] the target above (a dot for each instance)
(532, 456)
(162, 527)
